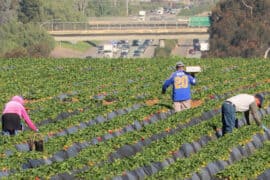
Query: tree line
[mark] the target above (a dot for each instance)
(240, 28)
(19, 31)
(20, 21)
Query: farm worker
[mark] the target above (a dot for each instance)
(181, 81)
(13, 111)
(240, 103)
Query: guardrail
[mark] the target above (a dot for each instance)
(81, 26)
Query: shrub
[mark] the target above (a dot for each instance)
(16, 53)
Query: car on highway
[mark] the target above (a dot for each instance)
(196, 45)
(100, 49)
(124, 54)
(191, 51)
(147, 42)
(136, 53)
(135, 43)
(125, 48)
(141, 48)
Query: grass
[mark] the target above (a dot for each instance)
(79, 46)
(166, 51)
(196, 10)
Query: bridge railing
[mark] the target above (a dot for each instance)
(81, 26)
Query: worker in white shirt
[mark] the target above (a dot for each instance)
(240, 103)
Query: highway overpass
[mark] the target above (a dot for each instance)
(117, 31)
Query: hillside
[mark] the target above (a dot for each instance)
(107, 119)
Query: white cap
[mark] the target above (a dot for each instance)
(180, 64)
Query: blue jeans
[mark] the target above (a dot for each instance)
(7, 133)
(228, 117)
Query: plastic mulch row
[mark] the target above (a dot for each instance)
(237, 154)
(188, 148)
(99, 119)
(144, 171)
(74, 149)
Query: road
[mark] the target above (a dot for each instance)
(184, 46)
(155, 26)
(181, 50)
(148, 53)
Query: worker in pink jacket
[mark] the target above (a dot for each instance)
(11, 117)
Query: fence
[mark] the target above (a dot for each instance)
(81, 26)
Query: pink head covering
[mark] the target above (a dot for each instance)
(18, 99)
(13, 107)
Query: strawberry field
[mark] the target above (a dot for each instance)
(107, 119)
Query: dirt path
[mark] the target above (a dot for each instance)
(60, 52)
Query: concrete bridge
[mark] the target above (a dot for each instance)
(74, 31)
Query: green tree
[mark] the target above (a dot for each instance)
(81, 5)
(240, 28)
(8, 10)
(63, 10)
(24, 39)
(30, 11)
(100, 8)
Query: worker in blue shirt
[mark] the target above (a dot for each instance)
(181, 81)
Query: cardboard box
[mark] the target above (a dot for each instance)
(193, 69)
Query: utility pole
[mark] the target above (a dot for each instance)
(127, 6)
(250, 7)
(266, 53)
(170, 3)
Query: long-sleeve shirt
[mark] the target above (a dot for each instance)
(181, 82)
(18, 108)
(246, 103)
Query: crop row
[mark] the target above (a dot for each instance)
(83, 143)
(151, 153)
(78, 123)
(253, 166)
(152, 72)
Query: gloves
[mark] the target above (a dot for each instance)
(236, 123)
(265, 128)
(218, 133)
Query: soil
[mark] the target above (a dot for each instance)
(152, 102)
(196, 103)
(61, 52)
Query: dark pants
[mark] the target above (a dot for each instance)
(228, 117)
(11, 123)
